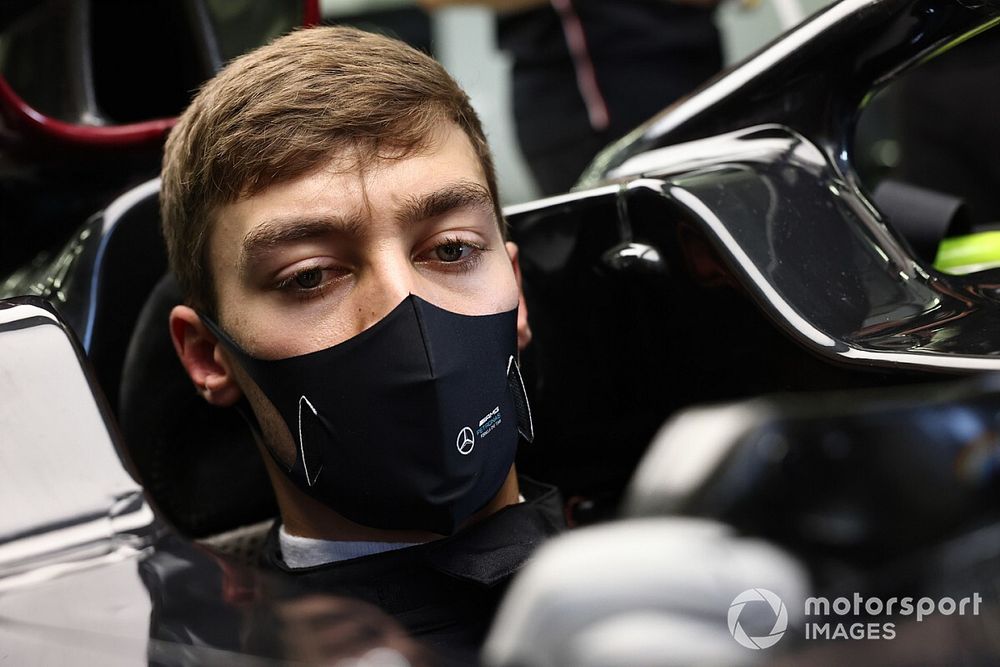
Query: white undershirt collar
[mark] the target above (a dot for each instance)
(299, 552)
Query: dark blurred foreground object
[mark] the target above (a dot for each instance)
(878, 494)
(641, 593)
(586, 72)
(861, 477)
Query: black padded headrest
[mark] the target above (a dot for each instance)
(198, 463)
(923, 217)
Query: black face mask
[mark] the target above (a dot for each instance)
(411, 424)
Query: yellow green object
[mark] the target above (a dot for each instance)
(967, 254)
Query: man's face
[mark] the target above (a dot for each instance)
(312, 262)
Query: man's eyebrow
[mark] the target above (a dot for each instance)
(461, 194)
(277, 232)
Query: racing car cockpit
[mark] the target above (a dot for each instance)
(724, 250)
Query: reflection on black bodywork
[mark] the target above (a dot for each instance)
(864, 478)
(210, 609)
(814, 254)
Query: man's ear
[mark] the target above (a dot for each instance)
(523, 329)
(203, 358)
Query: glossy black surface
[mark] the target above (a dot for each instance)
(889, 492)
(31, 312)
(774, 270)
(819, 260)
(178, 603)
(771, 274)
(210, 609)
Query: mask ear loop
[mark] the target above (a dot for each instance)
(246, 412)
(242, 406)
(525, 424)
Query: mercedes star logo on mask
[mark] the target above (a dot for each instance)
(466, 440)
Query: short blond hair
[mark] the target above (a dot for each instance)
(288, 108)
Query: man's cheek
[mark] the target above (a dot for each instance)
(272, 426)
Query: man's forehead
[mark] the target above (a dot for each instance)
(365, 161)
(341, 196)
(352, 172)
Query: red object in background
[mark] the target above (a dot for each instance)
(28, 122)
(22, 116)
(310, 12)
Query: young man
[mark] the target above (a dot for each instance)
(330, 211)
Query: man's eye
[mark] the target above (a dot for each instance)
(309, 278)
(311, 282)
(452, 252)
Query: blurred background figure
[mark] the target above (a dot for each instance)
(585, 72)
